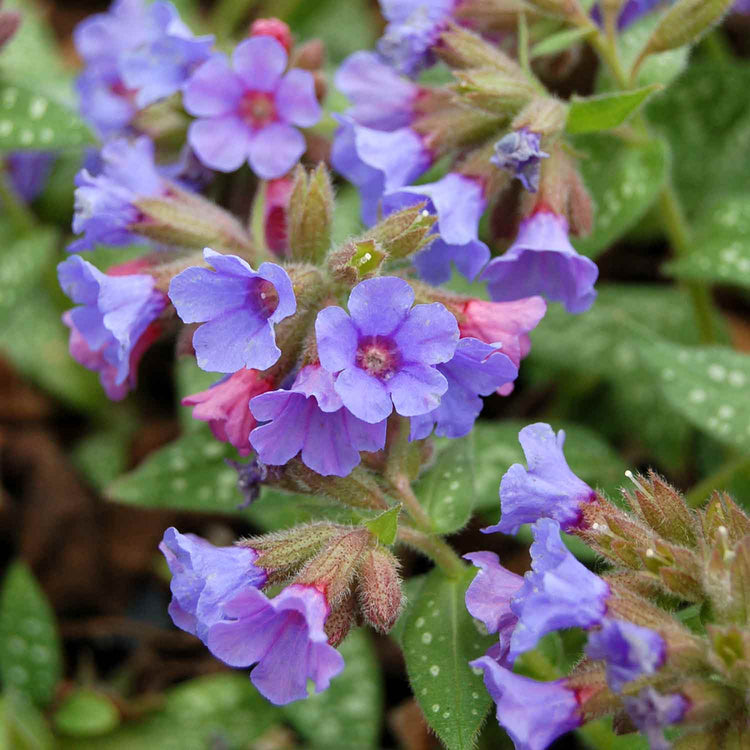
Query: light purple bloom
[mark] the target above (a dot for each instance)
(741, 6)
(533, 713)
(519, 152)
(310, 419)
(630, 651)
(29, 171)
(476, 369)
(542, 261)
(113, 314)
(159, 66)
(105, 204)
(630, 12)
(240, 307)
(651, 712)
(488, 599)
(284, 635)
(558, 592)
(385, 353)
(377, 161)
(100, 40)
(547, 489)
(459, 203)
(382, 99)
(413, 27)
(205, 576)
(248, 111)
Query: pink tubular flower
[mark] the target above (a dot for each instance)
(503, 324)
(248, 111)
(275, 212)
(225, 406)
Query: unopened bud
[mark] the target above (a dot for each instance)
(730, 649)
(288, 550)
(589, 682)
(544, 115)
(333, 568)
(663, 508)
(496, 92)
(340, 619)
(455, 126)
(309, 56)
(274, 28)
(380, 595)
(275, 214)
(461, 48)
(310, 214)
(356, 261)
(723, 512)
(491, 15)
(404, 232)
(186, 219)
(739, 582)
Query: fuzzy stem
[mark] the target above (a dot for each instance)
(434, 547)
(413, 507)
(678, 233)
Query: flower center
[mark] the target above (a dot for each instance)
(263, 297)
(257, 109)
(378, 357)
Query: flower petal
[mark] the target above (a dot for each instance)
(275, 150)
(295, 98)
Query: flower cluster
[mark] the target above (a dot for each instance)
(641, 662)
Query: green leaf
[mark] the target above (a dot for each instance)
(446, 490)
(624, 180)
(350, 713)
(600, 735)
(385, 526)
(721, 245)
(497, 447)
(706, 116)
(707, 385)
(35, 340)
(86, 713)
(23, 261)
(605, 111)
(31, 120)
(559, 42)
(22, 725)
(30, 654)
(439, 641)
(412, 588)
(221, 710)
(188, 474)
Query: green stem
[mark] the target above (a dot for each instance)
(436, 548)
(413, 507)
(701, 491)
(678, 233)
(18, 213)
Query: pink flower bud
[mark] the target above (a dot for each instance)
(275, 28)
(380, 595)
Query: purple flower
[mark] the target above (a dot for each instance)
(477, 369)
(533, 713)
(651, 712)
(547, 489)
(382, 99)
(558, 592)
(204, 576)
(159, 66)
(413, 27)
(247, 111)
(377, 161)
(29, 171)
(741, 6)
(310, 419)
(488, 599)
(240, 307)
(284, 635)
(114, 314)
(100, 40)
(519, 152)
(459, 203)
(385, 353)
(542, 261)
(105, 204)
(629, 650)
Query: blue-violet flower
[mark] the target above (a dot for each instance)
(519, 152)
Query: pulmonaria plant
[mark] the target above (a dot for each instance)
(344, 369)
